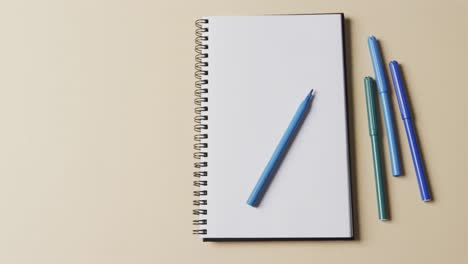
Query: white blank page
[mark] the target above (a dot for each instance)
(260, 69)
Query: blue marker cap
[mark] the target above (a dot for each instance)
(377, 65)
(400, 90)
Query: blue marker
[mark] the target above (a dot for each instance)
(410, 132)
(385, 103)
(274, 163)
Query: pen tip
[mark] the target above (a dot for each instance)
(311, 92)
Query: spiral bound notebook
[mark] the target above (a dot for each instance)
(252, 72)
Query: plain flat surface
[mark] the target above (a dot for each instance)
(254, 89)
(96, 113)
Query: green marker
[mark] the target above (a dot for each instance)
(373, 132)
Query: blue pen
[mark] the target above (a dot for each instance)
(385, 102)
(274, 163)
(410, 132)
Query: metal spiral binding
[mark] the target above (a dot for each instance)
(200, 127)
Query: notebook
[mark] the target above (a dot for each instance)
(252, 73)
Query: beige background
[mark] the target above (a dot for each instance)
(96, 133)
